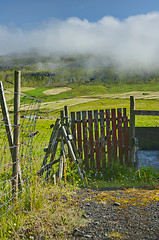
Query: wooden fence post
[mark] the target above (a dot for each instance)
(132, 130)
(17, 83)
(66, 116)
(6, 118)
(62, 117)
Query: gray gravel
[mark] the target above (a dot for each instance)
(108, 220)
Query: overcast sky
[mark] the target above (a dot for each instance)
(125, 31)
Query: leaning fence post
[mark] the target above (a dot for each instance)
(132, 130)
(17, 81)
(6, 118)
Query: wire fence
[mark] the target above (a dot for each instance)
(29, 114)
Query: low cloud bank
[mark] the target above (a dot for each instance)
(133, 42)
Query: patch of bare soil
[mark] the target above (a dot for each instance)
(55, 91)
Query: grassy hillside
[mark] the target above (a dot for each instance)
(60, 82)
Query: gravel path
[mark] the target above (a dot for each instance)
(120, 214)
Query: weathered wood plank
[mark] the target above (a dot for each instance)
(66, 117)
(68, 142)
(49, 148)
(60, 167)
(145, 112)
(114, 137)
(79, 136)
(91, 139)
(6, 118)
(85, 141)
(64, 156)
(62, 117)
(96, 126)
(108, 136)
(120, 138)
(125, 119)
(53, 151)
(102, 133)
(73, 126)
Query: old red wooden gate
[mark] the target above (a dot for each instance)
(101, 137)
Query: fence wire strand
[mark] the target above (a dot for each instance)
(29, 114)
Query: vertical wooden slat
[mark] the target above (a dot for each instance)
(97, 139)
(62, 117)
(85, 144)
(114, 138)
(91, 140)
(120, 138)
(125, 118)
(102, 132)
(73, 126)
(79, 137)
(66, 116)
(108, 136)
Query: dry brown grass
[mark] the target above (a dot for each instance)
(56, 217)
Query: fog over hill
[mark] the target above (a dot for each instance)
(131, 43)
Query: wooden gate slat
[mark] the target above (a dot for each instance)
(120, 138)
(73, 126)
(91, 139)
(96, 126)
(102, 132)
(108, 136)
(79, 137)
(125, 135)
(85, 145)
(114, 137)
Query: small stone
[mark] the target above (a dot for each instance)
(89, 214)
(88, 204)
(116, 204)
(87, 236)
(77, 232)
(96, 223)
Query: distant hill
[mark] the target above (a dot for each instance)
(51, 71)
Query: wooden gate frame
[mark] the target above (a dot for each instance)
(133, 113)
(92, 134)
